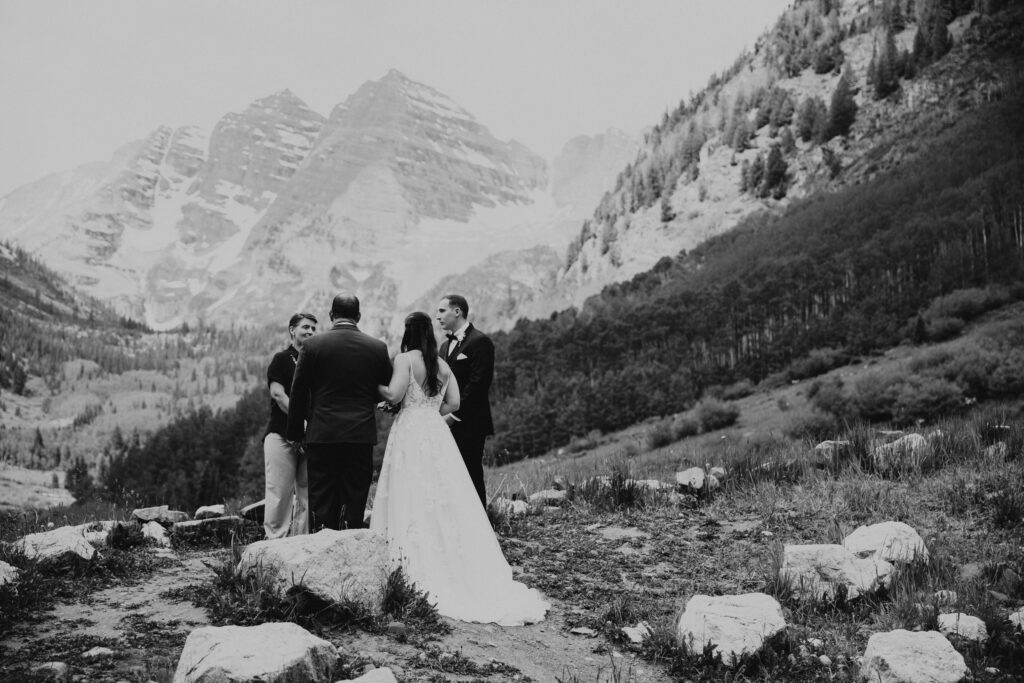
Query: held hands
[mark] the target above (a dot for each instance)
(390, 408)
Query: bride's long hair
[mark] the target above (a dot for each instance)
(419, 334)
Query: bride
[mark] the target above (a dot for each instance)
(426, 505)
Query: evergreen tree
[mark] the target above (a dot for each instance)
(775, 169)
(842, 111)
(884, 71)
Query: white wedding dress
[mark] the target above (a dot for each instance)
(429, 511)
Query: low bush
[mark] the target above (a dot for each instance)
(660, 435)
(740, 389)
(684, 426)
(813, 425)
(713, 414)
(817, 362)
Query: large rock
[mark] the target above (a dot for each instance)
(963, 626)
(157, 532)
(691, 479)
(64, 543)
(911, 657)
(254, 511)
(510, 508)
(210, 511)
(159, 513)
(549, 497)
(200, 530)
(339, 566)
(1017, 620)
(8, 573)
(734, 625)
(271, 653)
(889, 541)
(381, 675)
(906, 452)
(832, 453)
(824, 571)
(96, 532)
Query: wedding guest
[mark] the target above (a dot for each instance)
(286, 511)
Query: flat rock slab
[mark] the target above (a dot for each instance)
(965, 626)
(692, 478)
(271, 653)
(889, 541)
(159, 513)
(208, 511)
(338, 566)
(549, 497)
(911, 657)
(824, 571)
(220, 528)
(64, 543)
(735, 626)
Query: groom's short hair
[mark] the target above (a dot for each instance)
(458, 301)
(345, 306)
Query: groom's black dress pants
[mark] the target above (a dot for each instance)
(339, 476)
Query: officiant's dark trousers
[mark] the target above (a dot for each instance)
(339, 476)
(471, 446)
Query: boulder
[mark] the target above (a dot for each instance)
(734, 625)
(549, 497)
(210, 511)
(692, 479)
(382, 675)
(831, 453)
(253, 512)
(8, 573)
(273, 652)
(1017, 620)
(96, 532)
(906, 452)
(64, 543)
(719, 473)
(510, 508)
(889, 541)
(826, 571)
(711, 483)
(160, 513)
(911, 657)
(637, 634)
(963, 626)
(195, 531)
(157, 532)
(338, 566)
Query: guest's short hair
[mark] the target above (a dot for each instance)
(299, 317)
(345, 306)
(458, 301)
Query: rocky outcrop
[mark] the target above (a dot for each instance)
(273, 652)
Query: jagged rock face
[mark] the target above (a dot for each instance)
(587, 165)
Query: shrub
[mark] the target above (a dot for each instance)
(926, 398)
(737, 390)
(714, 414)
(940, 329)
(830, 397)
(874, 396)
(660, 435)
(817, 362)
(685, 426)
(966, 304)
(812, 426)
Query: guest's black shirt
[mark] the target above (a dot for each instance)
(281, 370)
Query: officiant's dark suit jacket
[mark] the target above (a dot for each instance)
(335, 387)
(472, 363)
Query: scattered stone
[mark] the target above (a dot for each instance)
(889, 541)
(397, 629)
(340, 566)
(549, 497)
(561, 484)
(711, 482)
(1010, 580)
(160, 513)
(907, 657)
(618, 533)
(8, 573)
(649, 484)
(210, 511)
(52, 671)
(718, 472)
(583, 631)
(510, 508)
(734, 625)
(816, 643)
(637, 634)
(64, 543)
(382, 675)
(998, 451)
(98, 652)
(824, 660)
(992, 670)
(253, 512)
(157, 532)
(971, 572)
(831, 453)
(946, 598)
(692, 479)
(826, 571)
(1017, 619)
(964, 626)
(198, 530)
(269, 652)
(1001, 598)
(905, 452)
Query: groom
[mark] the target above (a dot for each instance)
(333, 394)
(470, 353)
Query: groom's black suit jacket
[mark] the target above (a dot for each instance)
(472, 363)
(335, 387)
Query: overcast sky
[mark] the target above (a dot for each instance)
(80, 78)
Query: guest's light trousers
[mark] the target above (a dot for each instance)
(287, 489)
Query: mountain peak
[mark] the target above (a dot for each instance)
(282, 100)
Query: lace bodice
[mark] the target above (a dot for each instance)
(416, 397)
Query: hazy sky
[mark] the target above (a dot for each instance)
(79, 78)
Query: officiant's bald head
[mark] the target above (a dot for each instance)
(345, 306)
